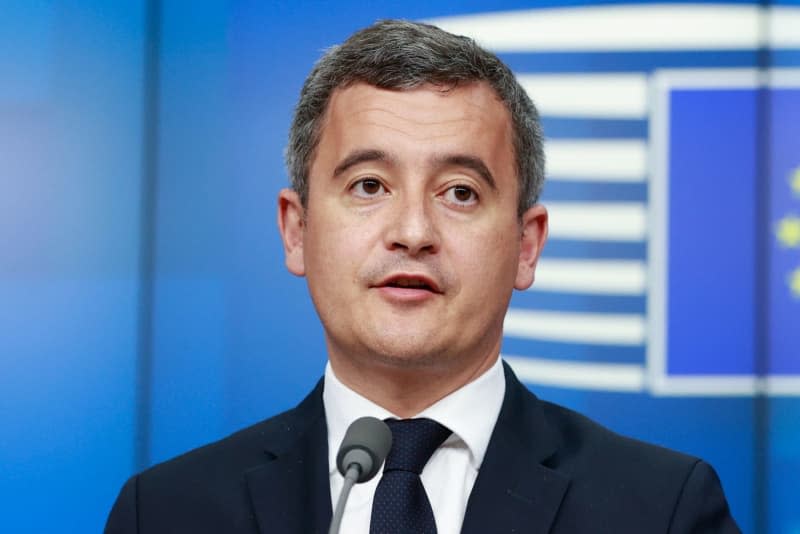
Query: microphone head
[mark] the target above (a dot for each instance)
(366, 443)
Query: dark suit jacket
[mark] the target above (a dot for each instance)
(547, 469)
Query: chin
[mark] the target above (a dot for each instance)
(409, 355)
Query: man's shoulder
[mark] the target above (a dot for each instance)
(208, 489)
(623, 470)
(627, 484)
(586, 440)
(235, 454)
(592, 479)
(245, 446)
(575, 444)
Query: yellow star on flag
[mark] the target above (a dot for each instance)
(788, 231)
(794, 282)
(794, 181)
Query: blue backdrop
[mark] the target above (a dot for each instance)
(145, 309)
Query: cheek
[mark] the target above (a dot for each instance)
(328, 272)
(335, 252)
(488, 261)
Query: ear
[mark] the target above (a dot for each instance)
(532, 239)
(291, 223)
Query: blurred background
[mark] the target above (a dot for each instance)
(145, 309)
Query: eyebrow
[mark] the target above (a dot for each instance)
(469, 162)
(362, 156)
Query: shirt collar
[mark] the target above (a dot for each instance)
(470, 412)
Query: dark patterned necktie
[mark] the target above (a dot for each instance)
(401, 505)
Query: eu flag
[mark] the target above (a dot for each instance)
(784, 261)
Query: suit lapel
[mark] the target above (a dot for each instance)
(515, 491)
(290, 492)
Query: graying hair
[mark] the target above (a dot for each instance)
(396, 54)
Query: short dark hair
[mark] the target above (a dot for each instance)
(397, 54)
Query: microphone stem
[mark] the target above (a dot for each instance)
(353, 472)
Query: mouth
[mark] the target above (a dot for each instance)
(410, 282)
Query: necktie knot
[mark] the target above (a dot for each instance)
(413, 443)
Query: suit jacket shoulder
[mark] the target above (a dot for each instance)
(549, 469)
(233, 485)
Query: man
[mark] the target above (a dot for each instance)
(416, 164)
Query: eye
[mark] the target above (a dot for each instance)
(461, 195)
(368, 188)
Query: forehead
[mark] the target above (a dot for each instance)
(418, 122)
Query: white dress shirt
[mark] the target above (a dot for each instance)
(470, 412)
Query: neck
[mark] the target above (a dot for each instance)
(406, 390)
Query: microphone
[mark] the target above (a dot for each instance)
(364, 448)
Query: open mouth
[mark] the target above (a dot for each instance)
(413, 282)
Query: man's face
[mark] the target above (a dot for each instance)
(410, 239)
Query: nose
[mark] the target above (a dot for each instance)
(412, 227)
